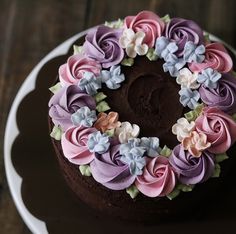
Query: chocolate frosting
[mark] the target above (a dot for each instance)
(149, 98)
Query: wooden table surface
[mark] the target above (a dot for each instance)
(29, 29)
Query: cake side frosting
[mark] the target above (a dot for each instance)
(104, 71)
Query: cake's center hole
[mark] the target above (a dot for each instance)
(149, 98)
(144, 94)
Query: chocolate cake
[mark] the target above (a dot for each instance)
(143, 116)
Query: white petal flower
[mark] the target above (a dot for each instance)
(133, 43)
(127, 131)
(183, 128)
(187, 79)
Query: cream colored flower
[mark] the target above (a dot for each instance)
(127, 131)
(187, 79)
(183, 128)
(133, 43)
(196, 143)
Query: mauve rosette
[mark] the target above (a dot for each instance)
(216, 57)
(74, 145)
(110, 171)
(158, 178)
(147, 22)
(223, 96)
(180, 31)
(72, 71)
(190, 169)
(67, 101)
(102, 44)
(219, 128)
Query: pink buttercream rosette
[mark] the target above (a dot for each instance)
(216, 57)
(219, 128)
(74, 145)
(158, 178)
(147, 22)
(72, 71)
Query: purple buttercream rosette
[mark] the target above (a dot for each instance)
(190, 169)
(223, 96)
(110, 171)
(181, 30)
(102, 44)
(66, 102)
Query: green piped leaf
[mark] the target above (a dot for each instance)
(207, 37)
(56, 133)
(185, 188)
(132, 191)
(116, 24)
(85, 170)
(221, 157)
(110, 132)
(77, 49)
(99, 97)
(102, 106)
(166, 151)
(166, 18)
(151, 54)
(217, 171)
(55, 88)
(234, 117)
(192, 115)
(127, 62)
(173, 194)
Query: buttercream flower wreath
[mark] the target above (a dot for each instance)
(92, 136)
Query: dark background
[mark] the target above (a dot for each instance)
(29, 29)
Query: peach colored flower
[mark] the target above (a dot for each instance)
(107, 121)
(196, 143)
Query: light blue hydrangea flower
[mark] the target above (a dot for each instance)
(132, 143)
(209, 78)
(194, 53)
(84, 116)
(134, 158)
(98, 142)
(113, 77)
(90, 83)
(173, 64)
(151, 145)
(164, 48)
(189, 98)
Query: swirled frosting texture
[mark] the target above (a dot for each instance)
(216, 57)
(110, 171)
(158, 178)
(66, 102)
(223, 96)
(74, 145)
(219, 128)
(147, 22)
(102, 44)
(190, 169)
(72, 71)
(181, 30)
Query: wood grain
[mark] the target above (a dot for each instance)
(29, 29)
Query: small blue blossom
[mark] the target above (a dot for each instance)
(90, 83)
(134, 158)
(132, 143)
(164, 48)
(194, 53)
(152, 145)
(173, 64)
(98, 143)
(84, 116)
(189, 98)
(209, 78)
(113, 77)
